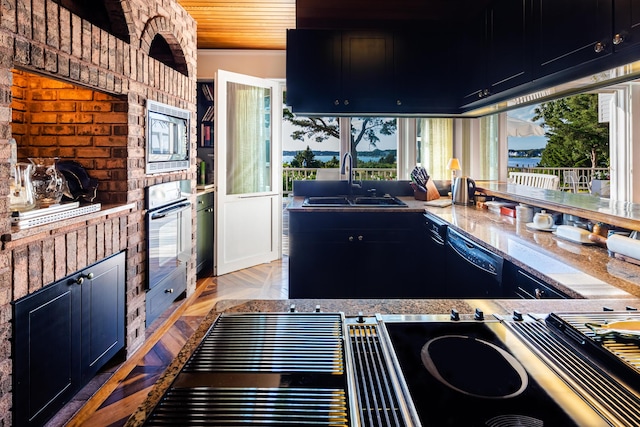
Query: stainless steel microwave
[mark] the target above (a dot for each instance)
(167, 145)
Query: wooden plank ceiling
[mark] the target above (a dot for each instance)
(262, 24)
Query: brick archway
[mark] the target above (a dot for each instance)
(160, 26)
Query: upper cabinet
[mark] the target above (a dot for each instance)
(626, 24)
(570, 33)
(342, 72)
(510, 48)
(495, 51)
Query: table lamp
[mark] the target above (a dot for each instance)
(454, 165)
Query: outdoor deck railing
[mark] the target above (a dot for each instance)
(584, 175)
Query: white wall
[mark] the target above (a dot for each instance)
(268, 64)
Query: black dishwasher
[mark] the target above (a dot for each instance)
(472, 271)
(435, 251)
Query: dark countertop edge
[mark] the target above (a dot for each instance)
(620, 214)
(15, 237)
(349, 306)
(413, 205)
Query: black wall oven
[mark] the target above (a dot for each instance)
(169, 243)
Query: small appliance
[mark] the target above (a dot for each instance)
(464, 189)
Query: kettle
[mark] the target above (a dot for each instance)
(463, 190)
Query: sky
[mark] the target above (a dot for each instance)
(525, 142)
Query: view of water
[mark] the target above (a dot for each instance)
(526, 162)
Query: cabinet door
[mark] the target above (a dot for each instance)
(626, 27)
(424, 73)
(204, 239)
(103, 313)
(521, 284)
(509, 60)
(472, 61)
(46, 330)
(571, 33)
(367, 71)
(314, 60)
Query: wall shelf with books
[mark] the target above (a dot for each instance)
(205, 113)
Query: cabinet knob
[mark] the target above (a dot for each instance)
(168, 291)
(351, 238)
(80, 279)
(360, 238)
(398, 102)
(539, 293)
(617, 39)
(599, 47)
(336, 102)
(346, 102)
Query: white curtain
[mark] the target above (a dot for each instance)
(435, 146)
(488, 166)
(249, 136)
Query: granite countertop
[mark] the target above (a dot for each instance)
(368, 308)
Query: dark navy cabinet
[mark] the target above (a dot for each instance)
(63, 334)
(626, 26)
(570, 33)
(356, 255)
(519, 283)
(497, 45)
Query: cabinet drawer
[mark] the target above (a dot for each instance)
(204, 201)
(160, 297)
(528, 287)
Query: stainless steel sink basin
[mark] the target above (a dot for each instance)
(378, 201)
(344, 201)
(327, 201)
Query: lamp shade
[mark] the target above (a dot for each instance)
(454, 164)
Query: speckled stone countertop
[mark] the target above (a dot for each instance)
(368, 308)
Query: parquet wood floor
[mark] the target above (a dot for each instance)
(130, 382)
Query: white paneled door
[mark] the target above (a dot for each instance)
(248, 171)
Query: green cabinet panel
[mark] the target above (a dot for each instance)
(204, 242)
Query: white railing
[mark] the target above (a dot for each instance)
(583, 180)
(296, 174)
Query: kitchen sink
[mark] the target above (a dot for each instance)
(344, 201)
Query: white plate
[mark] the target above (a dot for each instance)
(574, 241)
(532, 226)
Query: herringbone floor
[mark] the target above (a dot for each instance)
(130, 382)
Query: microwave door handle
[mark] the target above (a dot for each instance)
(171, 210)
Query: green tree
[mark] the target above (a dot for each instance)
(575, 137)
(306, 159)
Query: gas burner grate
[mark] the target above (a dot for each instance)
(598, 388)
(378, 402)
(250, 407)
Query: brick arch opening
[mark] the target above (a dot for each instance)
(161, 44)
(107, 15)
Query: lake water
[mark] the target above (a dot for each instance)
(527, 162)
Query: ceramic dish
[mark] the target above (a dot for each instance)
(568, 239)
(533, 226)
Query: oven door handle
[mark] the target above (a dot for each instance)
(168, 211)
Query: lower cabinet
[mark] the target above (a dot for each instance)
(356, 255)
(204, 243)
(518, 283)
(63, 334)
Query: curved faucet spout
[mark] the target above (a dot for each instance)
(349, 171)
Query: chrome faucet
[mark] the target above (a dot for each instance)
(349, 172)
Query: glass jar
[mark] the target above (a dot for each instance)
(48, 182)
(21, 195)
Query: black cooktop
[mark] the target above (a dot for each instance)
(462, 375)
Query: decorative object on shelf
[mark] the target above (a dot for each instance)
(48, 183)
(81, 186)
(21, 195)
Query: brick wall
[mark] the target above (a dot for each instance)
(78, 92)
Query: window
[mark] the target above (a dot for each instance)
(434, 146)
